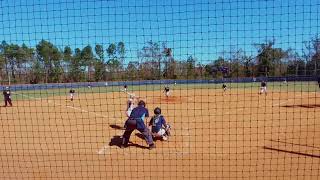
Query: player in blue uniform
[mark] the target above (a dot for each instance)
(7, 97)
(136, 121)
(159, 126)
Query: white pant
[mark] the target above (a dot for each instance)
(263, 89)
(129, 110)
(167, 93)
(161, 133)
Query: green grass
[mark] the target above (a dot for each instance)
(272, 86)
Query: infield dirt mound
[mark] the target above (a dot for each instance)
(170, 100)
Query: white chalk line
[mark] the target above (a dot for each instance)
(104, 147)
(71, 107)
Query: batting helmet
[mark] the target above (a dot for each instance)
(157, 110)
(142, 103)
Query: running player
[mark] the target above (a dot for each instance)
(7, 96)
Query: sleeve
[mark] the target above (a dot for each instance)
(164, 122)
(147, 113)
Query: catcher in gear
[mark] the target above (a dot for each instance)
(159, 126)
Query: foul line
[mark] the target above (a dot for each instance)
(105, 146)
(58, 104)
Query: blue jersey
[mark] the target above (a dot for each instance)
(157, 122)
(139, 113)
(6, 94)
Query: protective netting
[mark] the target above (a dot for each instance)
(231, 88)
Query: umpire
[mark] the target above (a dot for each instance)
(7, 97)
(136, 121)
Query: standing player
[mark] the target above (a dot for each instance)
(7, 97)
(224, 87)
(72, 91)
(159, 127)
(263, 88)
(166, 91)
(131, 104)
(136, 121)
(125, 88)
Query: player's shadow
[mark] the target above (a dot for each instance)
(117, 141)
(303, 106)
(291, 152)
(114, 126)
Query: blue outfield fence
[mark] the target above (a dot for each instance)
(157, 82)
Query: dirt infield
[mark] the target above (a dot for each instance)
(236, 135)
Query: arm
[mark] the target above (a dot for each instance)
(164, 123)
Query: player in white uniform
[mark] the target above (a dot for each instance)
(263, 88)
(71, 92)
(166, 91)
(131, 104)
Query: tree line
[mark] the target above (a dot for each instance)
(46, 63)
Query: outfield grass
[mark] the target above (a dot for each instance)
(272, 87)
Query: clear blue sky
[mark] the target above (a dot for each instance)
(202, 28)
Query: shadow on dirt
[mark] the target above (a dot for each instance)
(303, 106)
(117, 141)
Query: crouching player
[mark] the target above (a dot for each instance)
(159, 126)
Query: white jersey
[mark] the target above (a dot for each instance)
(130, 106)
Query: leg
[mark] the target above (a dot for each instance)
(5, 102)
(130, 126)
(168, 129)
(162, 133)
(147, 135)
(9, 100)
(126, 136)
